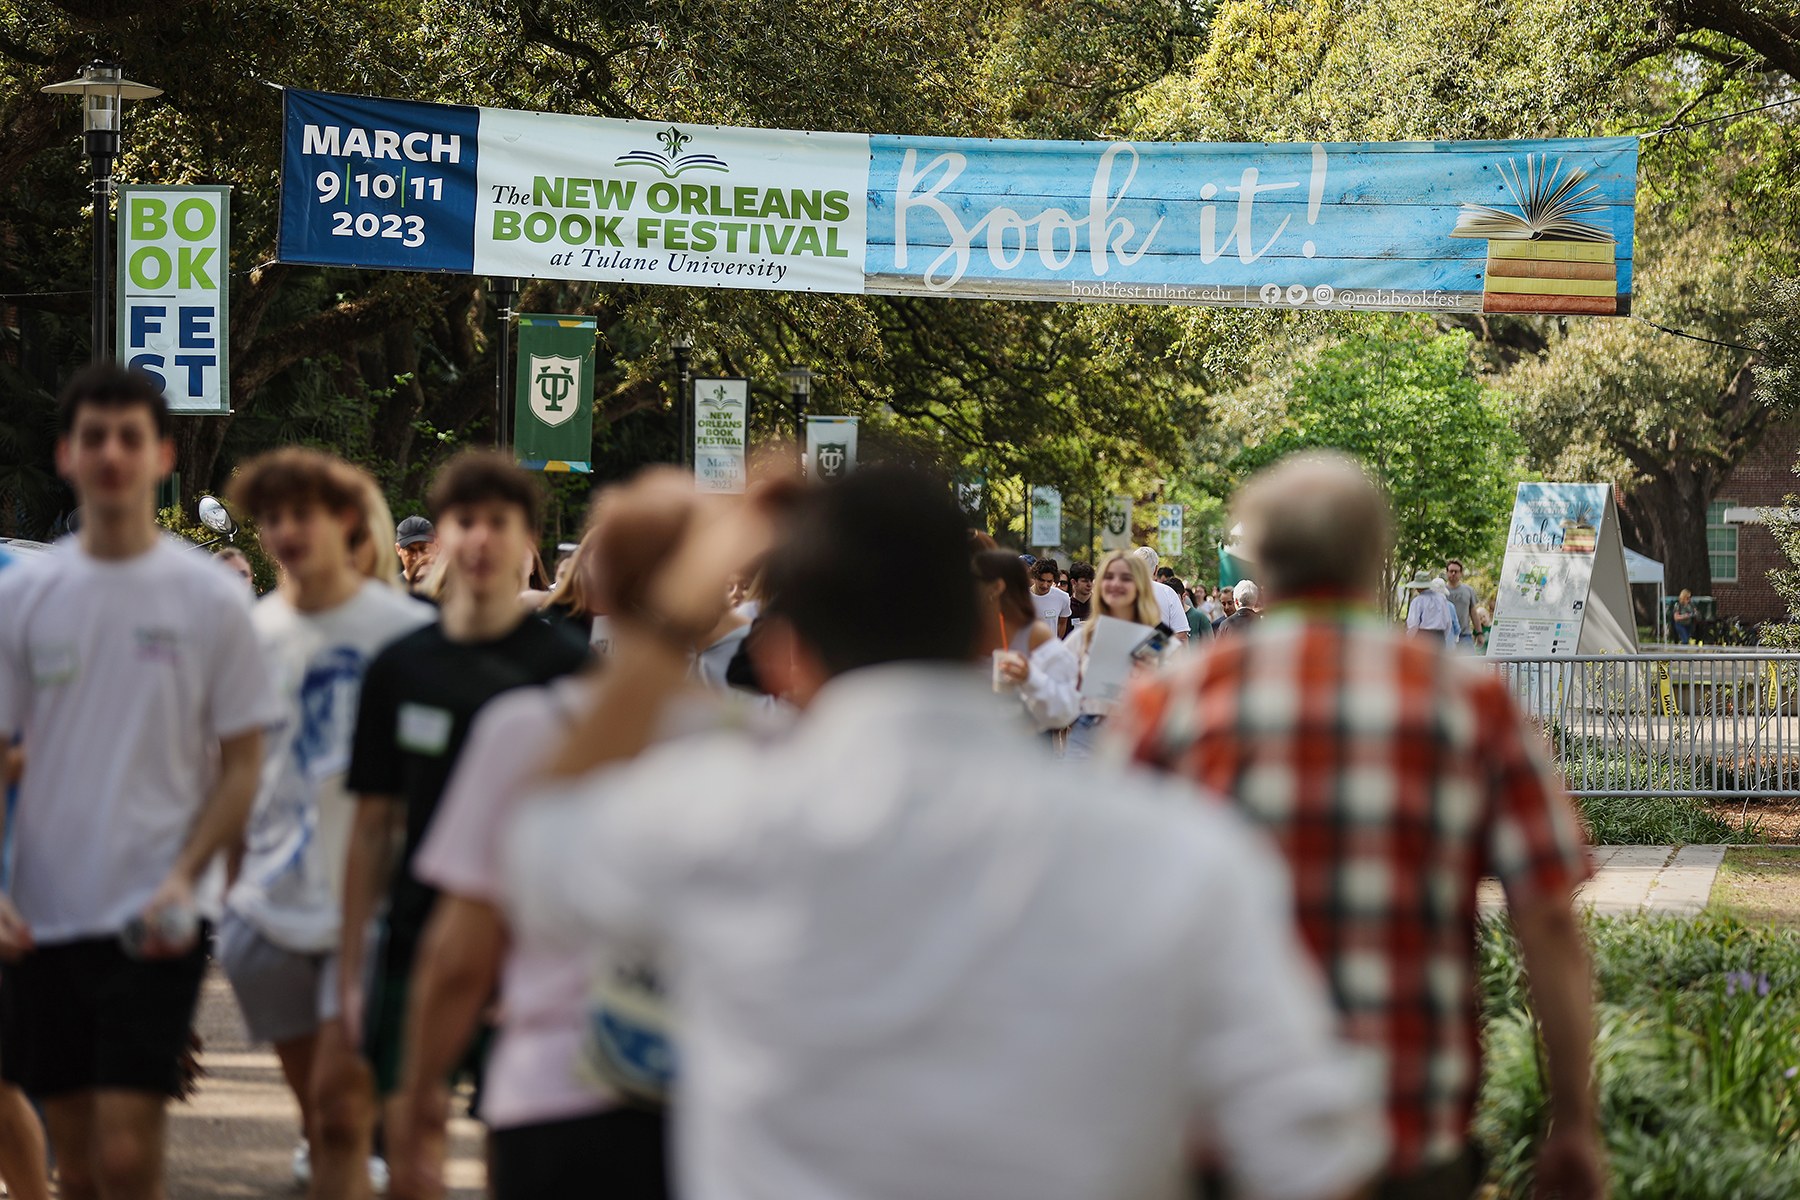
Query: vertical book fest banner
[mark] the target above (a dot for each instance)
(1498, 226)
(721, 412)
(553, 419)
(830, 447)
(174, 300)
(1169, 532)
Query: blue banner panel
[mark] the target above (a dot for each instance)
(378, 183)
(1408, 225)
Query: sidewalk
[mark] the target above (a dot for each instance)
(235, 1140)
(1654, 881)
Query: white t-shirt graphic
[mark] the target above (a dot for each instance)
(290, 886)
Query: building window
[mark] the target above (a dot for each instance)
(1721, 542)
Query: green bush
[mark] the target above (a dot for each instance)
(1696, 1054)
(1658, 821)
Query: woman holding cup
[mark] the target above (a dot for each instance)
(1026, 656)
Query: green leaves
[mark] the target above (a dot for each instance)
(1403, 398)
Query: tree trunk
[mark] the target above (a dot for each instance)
(1671, 508)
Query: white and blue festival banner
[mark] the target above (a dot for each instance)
(1497, 226)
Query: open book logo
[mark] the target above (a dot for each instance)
(1548, 200)
(670, 160)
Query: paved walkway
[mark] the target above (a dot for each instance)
(236, 1138)
(1656, 881)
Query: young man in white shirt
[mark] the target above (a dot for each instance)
(1168, 604)
(318, 632)
(894, 972)
(1051, 602)
(128, 660)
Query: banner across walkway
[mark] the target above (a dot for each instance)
(1523, 226)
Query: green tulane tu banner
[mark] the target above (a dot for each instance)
(1525, 226)
(553, 418)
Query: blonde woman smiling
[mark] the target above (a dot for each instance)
(1123, 592)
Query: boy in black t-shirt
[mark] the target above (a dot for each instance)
(419, 697)
(1081, 592)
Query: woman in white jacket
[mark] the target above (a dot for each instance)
(1024, 650)
(1122, 591)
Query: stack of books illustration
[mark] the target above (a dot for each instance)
(1541, 259)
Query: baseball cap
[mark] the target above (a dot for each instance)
(414, 530)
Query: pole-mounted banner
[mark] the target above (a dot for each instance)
(1046, 516)
(721, 413)
(553, 418)
(830, 447)
(1540, 226)
(1169, 531)
(1115, 524)
(174, 302)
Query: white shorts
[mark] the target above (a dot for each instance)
(284, 994)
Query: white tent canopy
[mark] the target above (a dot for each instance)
(1640, 568)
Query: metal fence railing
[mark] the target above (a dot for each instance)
(1680, 725)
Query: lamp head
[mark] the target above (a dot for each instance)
(798, 380)
(103, 88)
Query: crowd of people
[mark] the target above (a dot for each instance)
(721, 867)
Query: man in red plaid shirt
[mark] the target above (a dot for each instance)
(1394, 776)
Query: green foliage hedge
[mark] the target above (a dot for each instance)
(1697, 1057)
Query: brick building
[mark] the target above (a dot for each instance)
(1742, 549)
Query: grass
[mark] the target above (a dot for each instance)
(1696, 1058)
(1658, 821)
(1759, 885)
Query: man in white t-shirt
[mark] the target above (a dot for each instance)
(128, 663)
(894, 972)
(318, 631)
(1051, 602)
(1168, 604)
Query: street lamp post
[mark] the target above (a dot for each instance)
(103, 89)
(799, 385)
(505, 292)
(681, 344)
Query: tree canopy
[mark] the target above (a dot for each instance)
(397, 370)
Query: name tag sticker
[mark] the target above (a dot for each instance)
(54, 663)
(423, 729)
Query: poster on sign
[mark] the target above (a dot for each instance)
(1115, 524)
(721, 412)
(830, 447)
(1543, 226)
(174, 265)
(1046, 516)
(1563, 588)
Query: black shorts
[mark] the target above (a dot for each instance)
(385, 1005)
(83, 1015)
(620, 1154)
